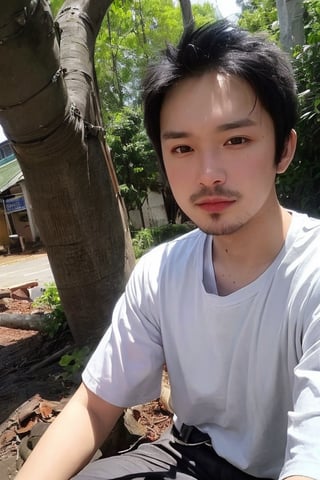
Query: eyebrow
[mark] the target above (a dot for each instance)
(244, 122)
(172, 134)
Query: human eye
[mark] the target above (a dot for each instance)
(180, 149)
(237, 141)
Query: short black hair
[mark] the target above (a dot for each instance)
(227, 49)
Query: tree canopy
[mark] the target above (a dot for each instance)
(299, 187)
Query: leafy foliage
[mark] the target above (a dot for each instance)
(150, 237)
(299, 188)
(55, 5)
(74, 362)
(312, 25)
(133, 155)
(56, 321)
(132, 33)
(260, 16)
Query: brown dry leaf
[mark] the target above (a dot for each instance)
(28, 427)
(46, 410)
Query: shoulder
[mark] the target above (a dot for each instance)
(306, 223)
(173, 255)
(302, 264)
(305, 234)
(182, 246)
(302, 248)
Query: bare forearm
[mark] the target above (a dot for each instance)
(70, 442)
(61, 451)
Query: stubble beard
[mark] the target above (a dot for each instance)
(218, 227)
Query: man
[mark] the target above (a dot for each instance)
(232, 308)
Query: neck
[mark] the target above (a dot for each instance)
(241, 257)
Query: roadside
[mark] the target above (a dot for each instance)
(21, 268)
(16, 253)
(7, 259)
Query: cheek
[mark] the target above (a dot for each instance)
(175, 171)
(258, 165)
(180, 178)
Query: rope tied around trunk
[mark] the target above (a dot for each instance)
(54, 79)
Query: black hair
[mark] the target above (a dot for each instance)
(227, 49)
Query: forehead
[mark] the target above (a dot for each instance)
(215, 96)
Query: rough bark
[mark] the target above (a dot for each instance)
(49, 109)
(186, 11)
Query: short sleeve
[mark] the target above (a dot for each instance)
(126, 367)
(303, 442)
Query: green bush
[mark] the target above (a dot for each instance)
(74, 362)
(147, 238)
(299, 187)
(55, 319)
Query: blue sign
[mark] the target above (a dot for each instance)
(15, 204)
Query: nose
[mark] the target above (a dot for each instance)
(211, 170)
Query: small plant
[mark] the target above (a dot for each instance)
(73, 362)
(49, 298)
(147, 238)
(55, 318)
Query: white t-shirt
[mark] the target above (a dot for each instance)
(245, 367)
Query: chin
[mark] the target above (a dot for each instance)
(219, 227)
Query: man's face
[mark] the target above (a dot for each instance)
(218, 146)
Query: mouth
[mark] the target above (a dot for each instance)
(214, 205)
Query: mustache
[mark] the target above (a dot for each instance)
(216, 191)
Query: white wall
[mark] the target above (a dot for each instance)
(153, 210)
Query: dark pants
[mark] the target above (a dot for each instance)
(164, 459)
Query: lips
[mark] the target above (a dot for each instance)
(214, 205)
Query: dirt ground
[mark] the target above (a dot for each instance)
(27, 374)
(33, 391)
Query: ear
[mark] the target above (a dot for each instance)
(288, 152)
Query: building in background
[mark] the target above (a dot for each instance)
(16, 218)
(152, 213)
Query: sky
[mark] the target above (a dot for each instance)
(226, 7)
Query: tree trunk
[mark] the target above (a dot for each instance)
(186, 11)
(290, 15)
(49, 109)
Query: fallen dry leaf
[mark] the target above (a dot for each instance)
(46, 411)
(28, 427)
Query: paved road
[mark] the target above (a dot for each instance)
(16, 271)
